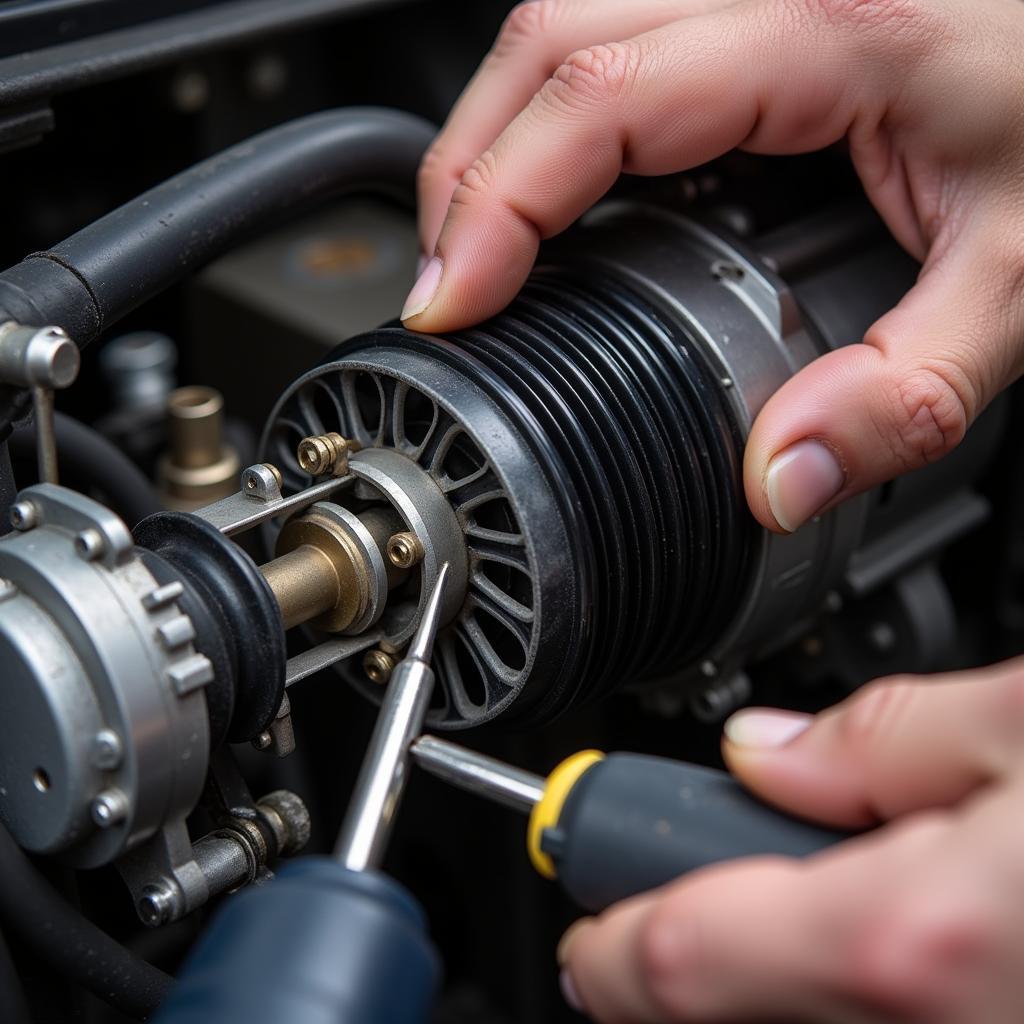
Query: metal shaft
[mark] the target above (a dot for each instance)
(477, 773)
(46, 435)
(367, 827)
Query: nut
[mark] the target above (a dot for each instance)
(378, 666)
(405, 550)
(323, 454)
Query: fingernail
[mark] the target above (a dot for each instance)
(571, 933)
(424, 290)
(569, 993)
(421, 264)
(760, 727)
(800, 480)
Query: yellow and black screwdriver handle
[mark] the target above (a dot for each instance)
(608, 827)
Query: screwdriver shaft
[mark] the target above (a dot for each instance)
(478, 774)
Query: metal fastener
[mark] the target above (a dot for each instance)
(155, 906)
(107, 750)
(378, 666)
(24, 515)
(109, 808)
(323, 454)
(405, 550)
(89, 544)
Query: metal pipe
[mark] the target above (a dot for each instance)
(46, 435)
(367, 827)
(479, 774)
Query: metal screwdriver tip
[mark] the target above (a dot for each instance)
(422, 646)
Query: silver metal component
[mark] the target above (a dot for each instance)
(324, 655)
(139, 367)
(262, 481)
(37, 357)
(110, 808)
(107, 750)
(46, 434)
(163, 596)
(288, 818)
(155, 906)
(378, 791)
(248, 507)
(279, 739)
(715, 702)
(176, 632)
(477, 773)
(23, 515)
(92, 699)
(89, 544)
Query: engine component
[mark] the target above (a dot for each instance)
(199, 467)
(108, 733)
(584, 447)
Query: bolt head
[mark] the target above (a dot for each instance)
(24, 515)
(263, 741)
(378, 666)
(405, 550)
(89, 544)
(155, 906)
(106, 750)
(109, 808)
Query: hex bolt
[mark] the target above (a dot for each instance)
(89, 544)
(323, 454)
(109, 808)
(405, 550)
(378, 666)
(107, 750)
(24, 515)
(156, 905)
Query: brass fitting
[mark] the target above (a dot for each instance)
(198, 467)
(324, 454)
(405, 550)
(378, 666)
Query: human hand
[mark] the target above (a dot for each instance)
(918, 921)
(928, 94)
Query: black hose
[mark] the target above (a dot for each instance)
(88, 459)
(70, 943)
(13, 1009)
(92, 279)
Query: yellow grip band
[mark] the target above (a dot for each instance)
(548, 809)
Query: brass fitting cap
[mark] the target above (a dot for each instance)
(198, 467)
(324, 454)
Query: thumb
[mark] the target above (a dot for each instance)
(896, 746)
(865, 413)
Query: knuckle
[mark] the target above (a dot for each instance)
(525, 23)
(595, 75)
(669, 979)
(478, 179)
(875, 711)
(931, 412)
(906, 953)
(915, 26)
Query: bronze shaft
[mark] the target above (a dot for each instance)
(305, 583)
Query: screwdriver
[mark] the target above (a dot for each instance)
(331, 940)
(608, 827)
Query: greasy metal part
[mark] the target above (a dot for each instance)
(378, 790)
(378, 666)
(139, 369)
(322, 656)
(260, 500)
(199, 467)
(323, 454)
(101, 680)
(46, 435)
(477, 773)
(329, 571)
(405, 550)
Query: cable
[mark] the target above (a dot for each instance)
(90, 459)
(72, 944)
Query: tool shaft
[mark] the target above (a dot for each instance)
(478, 774)
(382, 779)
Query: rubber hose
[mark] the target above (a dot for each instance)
(13, 1009)
(70, 943)
(89, 458)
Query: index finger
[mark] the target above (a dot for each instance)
(661, 102)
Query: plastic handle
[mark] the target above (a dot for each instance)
(633, 822)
